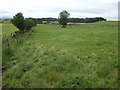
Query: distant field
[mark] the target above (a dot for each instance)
(7, 29)
(81, 56)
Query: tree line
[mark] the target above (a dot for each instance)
(86, 20)
(71, 20)
(27, 23)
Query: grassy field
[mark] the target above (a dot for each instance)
(79, 56)
(7, 29)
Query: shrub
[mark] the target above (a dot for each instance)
(18, 21)
(29, 24)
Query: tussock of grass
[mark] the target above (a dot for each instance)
(50, 67)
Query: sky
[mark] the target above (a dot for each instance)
(107, 9)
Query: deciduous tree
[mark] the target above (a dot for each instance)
(63, 18)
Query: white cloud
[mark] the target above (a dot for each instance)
(51, 8)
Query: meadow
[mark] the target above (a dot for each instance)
(8, 28)
(78, 56)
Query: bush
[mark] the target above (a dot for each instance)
(18, 21)
(29, 24)
(23, 24)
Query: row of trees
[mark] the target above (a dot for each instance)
(26, 24)
(86, 20)
(64, 18)
(64, 15)
(72, 20)
(23, 24)
(42, 20)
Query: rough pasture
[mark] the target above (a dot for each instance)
(81, 56)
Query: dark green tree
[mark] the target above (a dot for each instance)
(34, 22)
(29, 23)
(18, 21)
(63, 18)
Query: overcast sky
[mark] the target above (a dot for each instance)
(51, 8)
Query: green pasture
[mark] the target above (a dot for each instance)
(7, 29)
(79, 56)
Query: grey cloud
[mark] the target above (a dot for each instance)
(77, 8)
(3, 11)
(91, 11)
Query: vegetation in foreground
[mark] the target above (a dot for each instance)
(79, 56)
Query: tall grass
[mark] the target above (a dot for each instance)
(79, 56)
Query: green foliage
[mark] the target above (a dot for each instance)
(86, 20)
(23, 24)
(18, 21)
(63, 18)
(6, 55)
(34, 21)
(29, 23)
